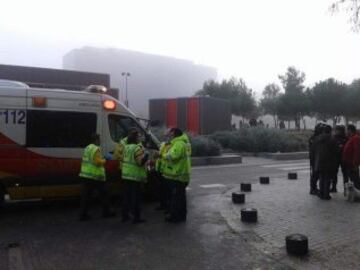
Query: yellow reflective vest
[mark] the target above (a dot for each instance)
(131, 168)
(177, 165)
(186, 140)
(161, 161)
(89, 169)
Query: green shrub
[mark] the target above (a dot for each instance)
(201, 145)
(204, 146)
(261, 140)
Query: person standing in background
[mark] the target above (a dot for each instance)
(340, 138)
(325, 159)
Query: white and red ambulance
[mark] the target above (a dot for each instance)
(43, 133)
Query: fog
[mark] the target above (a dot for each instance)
(255, 40)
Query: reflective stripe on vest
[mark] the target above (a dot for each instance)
(121, 146)
(161, 161)
(130, 169)
(88, 169)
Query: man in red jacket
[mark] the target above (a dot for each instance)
(351, 155)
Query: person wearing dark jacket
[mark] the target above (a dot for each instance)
(325, 156)
(314, 176)
(340, 138)
(351, 155)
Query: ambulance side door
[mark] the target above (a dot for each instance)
(12, 134)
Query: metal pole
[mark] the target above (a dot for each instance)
(126, 91)
(126, 75)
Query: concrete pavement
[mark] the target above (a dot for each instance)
(285, 207)
(50, 237)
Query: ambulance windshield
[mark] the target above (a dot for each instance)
(119, 126)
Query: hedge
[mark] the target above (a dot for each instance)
(254, 140)
(262, 140)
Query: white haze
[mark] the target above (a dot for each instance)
(255, 40)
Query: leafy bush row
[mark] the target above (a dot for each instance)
(246, 140)
(261, 140)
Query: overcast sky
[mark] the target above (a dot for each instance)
(255, 40)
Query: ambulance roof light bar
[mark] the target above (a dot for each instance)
(94, 88)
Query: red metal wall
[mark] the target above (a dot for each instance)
(193, 115)
(171, 119)
(196, 115)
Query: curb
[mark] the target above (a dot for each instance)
(280, 156)
(217, 160)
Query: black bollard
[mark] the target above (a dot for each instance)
(238, 198)
(292, 176)
(245, 187)
(264, 180)
(297, 244)
(249, 215)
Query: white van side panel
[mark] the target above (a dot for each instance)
(13, 115)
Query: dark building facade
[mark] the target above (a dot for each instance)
(151, 76)
(55, 78)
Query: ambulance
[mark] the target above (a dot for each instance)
(43, 133)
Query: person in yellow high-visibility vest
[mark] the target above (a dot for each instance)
(177, 172)
(92, 175)
(119, 149)
(133, 175)
(164, 194)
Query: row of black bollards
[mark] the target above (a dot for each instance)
(296, 244)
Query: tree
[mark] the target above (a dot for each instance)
(293, 81)
(352, 101)
(351, 6)
(270, 101)
(327, 99)
(239, 95)
(294, 104)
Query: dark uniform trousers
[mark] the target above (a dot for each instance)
(90, 187)
(345, 174)
(325, 179)
(178, 207)
(162, 190)
(314, 178)
(131, 199)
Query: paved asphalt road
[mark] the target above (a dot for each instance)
(49, 236)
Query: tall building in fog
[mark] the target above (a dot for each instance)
(151, 76)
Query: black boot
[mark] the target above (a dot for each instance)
(314, 191)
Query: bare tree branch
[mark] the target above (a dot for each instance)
(350, 6)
